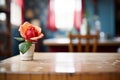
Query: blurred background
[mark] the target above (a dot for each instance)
(57, 18)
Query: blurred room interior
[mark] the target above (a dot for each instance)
(103, 15)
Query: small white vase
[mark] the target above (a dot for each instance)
(29, 54)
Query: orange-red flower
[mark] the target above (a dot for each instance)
(30, 32)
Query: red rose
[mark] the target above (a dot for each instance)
(30, 32)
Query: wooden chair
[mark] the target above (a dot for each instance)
(88, 42)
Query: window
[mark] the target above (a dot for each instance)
(2, 16)
(16, 12)
(2, 3)
(65, 14)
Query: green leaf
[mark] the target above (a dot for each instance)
(19, 38)
(24, 46)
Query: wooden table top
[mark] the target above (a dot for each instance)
(63, 63)
(65, 42)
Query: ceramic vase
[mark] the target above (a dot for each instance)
(28, 55)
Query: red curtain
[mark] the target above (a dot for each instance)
(51, 16)
(78, 15)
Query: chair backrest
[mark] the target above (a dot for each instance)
(86, 43)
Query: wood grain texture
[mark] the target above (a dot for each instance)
(2, 76)
(62, 66)
(89, 41)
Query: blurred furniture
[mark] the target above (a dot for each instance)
(90, 41)
(5, 29)
(117, 17)
(62, 66)
(61, 45)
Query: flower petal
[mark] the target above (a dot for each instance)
(23, 28)
(38, 37)
(38, 29)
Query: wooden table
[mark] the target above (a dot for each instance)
(61, 45)
(62, 66)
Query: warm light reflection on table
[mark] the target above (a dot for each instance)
(62, 66)
(65, 63)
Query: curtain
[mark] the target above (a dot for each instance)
(51, 16)
(78, 15)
